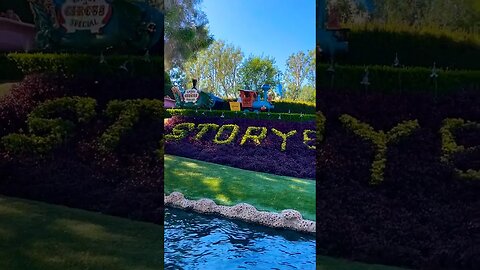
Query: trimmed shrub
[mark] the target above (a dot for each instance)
(284, 106)
(388, 79)
(294, 117)
(420, 199)
(378, 46)
(70, 64)
(37, 88)
(271, 146)
(127, 114)
(380, 141)
(451, 149)
(25, 96)
(51, 124)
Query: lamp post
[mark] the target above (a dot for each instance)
(396, 64)
(434, 76)
(331, 72)
(365, 81)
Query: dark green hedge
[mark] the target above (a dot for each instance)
(295, 117)
(47, 132)
(389, 79)
(83, 63)
(282, 106)
(9, 70)
(378, 47)
(127, 113)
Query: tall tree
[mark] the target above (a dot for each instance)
(216, 68)
(446, 14)
(311, 77)
(298, 70)
(257, 71)
(186, 31)
(308, 93)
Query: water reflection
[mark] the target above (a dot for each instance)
(194, 241)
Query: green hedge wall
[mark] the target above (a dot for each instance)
(284, 106)
(83, 63)
(378, 47)
(281, 106)
(389, 79)
(295, 117)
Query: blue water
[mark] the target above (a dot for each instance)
(194, 241)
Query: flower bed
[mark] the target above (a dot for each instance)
(109, 162)
(424, 211)
(277, 147)
(37, 88)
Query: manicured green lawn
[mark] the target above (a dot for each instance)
(229, 186)
(5, 88)
(40, 236)
(327, 263)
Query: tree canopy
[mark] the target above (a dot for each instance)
(300, 75)
(216, 68)
(257, 71)
(185, 31)
(454, 15)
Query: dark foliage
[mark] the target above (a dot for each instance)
(367, 47)
(127, 181)
(422, 215)
(36, 88)
(388, 79)
(295, 117)
(9, 70)
(71, 64)
(296, 161)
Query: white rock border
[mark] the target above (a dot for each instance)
(287, 219)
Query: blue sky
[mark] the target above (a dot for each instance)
(275, 28)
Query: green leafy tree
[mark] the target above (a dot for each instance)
(257, 71)
(186, 31)
(216, 68)
(298, 73)
(308, 93)
(444, 14)
(311, 77)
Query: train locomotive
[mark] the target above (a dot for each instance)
(251, 100)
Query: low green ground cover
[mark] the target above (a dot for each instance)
(229, 186)
(388, 79)
(40, 236)
(327, 263)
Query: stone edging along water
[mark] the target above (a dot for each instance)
(287, 219)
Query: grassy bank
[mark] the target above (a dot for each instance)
(229, 186)
(327, 263)
(5, 88)
(40, 236)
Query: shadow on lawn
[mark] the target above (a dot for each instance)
(229, 186)
(41, 236)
